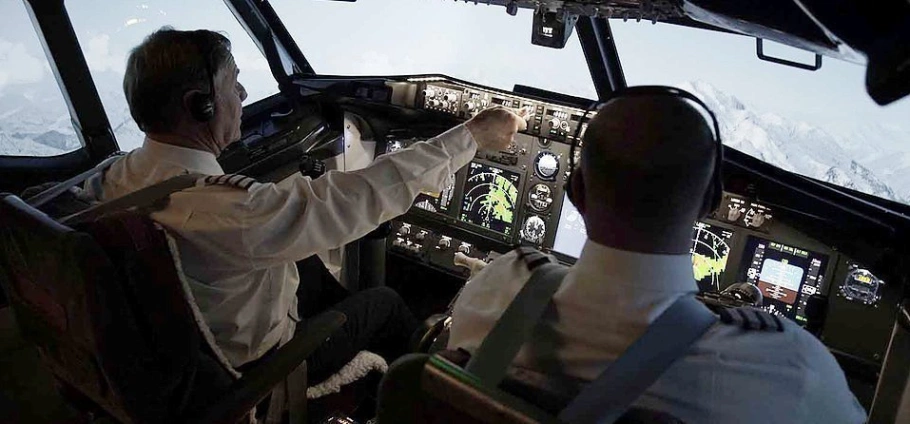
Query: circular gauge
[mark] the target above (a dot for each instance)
(540, 197)
(534, 229)
(861, 286)
(546, 165)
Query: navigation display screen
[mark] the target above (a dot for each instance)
(786, 275)
(490, 198)
(571, 233)
(437, 202)
(710, 251)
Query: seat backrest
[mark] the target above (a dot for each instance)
(420, 388)
(106, 307)
(45, 267)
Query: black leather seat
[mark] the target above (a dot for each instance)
(105, 306)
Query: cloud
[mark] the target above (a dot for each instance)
(17, 65)
(99, 57)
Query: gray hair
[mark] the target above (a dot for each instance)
(164, 67)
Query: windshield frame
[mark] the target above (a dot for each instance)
(593, 33)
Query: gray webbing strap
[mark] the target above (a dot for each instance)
(51, 193)
(145, 198)
(667, 339)
(491, 360)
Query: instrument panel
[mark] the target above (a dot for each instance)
(516, 196)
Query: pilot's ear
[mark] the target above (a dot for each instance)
(578, 190)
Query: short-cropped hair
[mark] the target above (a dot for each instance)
(164, 67)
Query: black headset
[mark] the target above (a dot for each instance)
(714, 193)
(202, 105)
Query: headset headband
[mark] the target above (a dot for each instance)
(714, 193)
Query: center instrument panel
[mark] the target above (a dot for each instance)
(502, 199)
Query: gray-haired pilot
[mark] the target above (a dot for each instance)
(241, 244)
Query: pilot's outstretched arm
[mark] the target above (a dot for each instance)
(290, 222)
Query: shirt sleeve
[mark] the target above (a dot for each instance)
(289, 222)
(483, 300)
(827, 397)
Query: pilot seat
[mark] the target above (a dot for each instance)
(115, 323)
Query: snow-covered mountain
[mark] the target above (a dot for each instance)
(857, 160)
(34, 120)
(874, 159)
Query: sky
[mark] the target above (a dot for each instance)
(474, 42)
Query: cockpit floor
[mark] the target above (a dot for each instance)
(27, 393)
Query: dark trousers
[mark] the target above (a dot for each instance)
(377, 320)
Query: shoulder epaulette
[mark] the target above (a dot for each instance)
(750, 318)
(234, 180)
(532, 257)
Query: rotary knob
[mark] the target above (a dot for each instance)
(451, 97)
(429, 92)
(554, 123)
(470, 106)
(444, 243)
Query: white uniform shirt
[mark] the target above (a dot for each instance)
(606, 302)
(238, 247)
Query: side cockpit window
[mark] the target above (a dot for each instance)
(109, 29)
(34, 119)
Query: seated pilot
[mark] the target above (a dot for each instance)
(646, 166)
(240, 245)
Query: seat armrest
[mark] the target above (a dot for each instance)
(259, 381)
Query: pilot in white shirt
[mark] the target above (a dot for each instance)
(238, 244)
(646, 163)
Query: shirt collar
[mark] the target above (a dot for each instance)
(194, 161)
(641, 270)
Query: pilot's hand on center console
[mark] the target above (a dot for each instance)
(473, 264)
(494, 128)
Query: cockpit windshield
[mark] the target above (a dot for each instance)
(819, 124)
(477, 43)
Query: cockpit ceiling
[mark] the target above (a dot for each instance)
(784, 21)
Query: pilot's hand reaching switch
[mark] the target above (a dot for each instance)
(494, 128)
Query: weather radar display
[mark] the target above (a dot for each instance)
(490, 196)
(710, 250)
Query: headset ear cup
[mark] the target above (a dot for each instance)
(202, 107)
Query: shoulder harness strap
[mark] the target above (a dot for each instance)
(532, 257)
(752, 319)
(234, 180)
